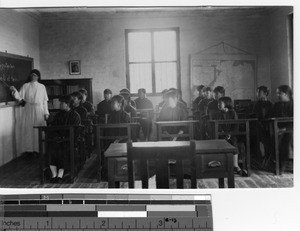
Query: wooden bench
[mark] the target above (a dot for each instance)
(44, 139)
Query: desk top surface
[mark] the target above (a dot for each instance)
(177, 122)
(202, 147)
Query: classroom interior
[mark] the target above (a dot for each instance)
(259, 38)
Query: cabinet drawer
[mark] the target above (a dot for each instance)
(121, 169)
(214, 164)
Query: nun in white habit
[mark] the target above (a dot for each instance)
(33, 97)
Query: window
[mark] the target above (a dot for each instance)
(152, 59)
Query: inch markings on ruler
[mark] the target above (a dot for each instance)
(103, 212)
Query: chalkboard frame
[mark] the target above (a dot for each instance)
(18, 57)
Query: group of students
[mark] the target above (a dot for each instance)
(120, 108)
(220, 107)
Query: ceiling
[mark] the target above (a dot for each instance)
(168, 10)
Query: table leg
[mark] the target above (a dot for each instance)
(248, 163)
(41, 156)
(230, 170)
(276, 146)
(221, 183)
(111, 173)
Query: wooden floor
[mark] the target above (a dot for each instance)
(23, 173)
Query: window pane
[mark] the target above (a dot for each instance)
(165, 46)
(139, 47)
(165, 76)
(140, 77)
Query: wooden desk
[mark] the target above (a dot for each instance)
(186, 123)
(246, 133)
(99, 137)
(208, 152)
(274, 125)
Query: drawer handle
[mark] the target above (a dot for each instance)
(214, 164)
(124, 167)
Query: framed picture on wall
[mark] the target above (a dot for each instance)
(74, 67)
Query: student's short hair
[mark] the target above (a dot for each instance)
(107, 91)
(125, 90)
(142, 90)
(66, 99)
(118, 98)
(125, 95)
(83, 91)
(172, 94)
(206, 89)
(200, 87)
(287, 90)
(219, 89)
(264, 89)
(77, 94)
(227, 101)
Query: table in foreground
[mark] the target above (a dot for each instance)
(214, 159)
(106, 212)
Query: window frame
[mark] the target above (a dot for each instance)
(152, 30)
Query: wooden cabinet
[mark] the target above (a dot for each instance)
(58, 87)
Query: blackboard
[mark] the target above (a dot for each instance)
(14, 71)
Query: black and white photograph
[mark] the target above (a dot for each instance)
(156, 97)
(221, 77)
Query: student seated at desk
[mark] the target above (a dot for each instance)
(226, 112)
(131, 102)
(58, 150)
(86, 104)
(203, 104)
(146, 119)
(104, 107)
(284, 108)
(199, 98)
(77, 98)
(164, 100)
(201, 114)
(118, 115)
(262, 110)
(212, 106)
(127, 105)
(173, 111)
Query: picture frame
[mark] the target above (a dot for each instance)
(74, 67)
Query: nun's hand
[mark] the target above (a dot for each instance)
(12, 88)
(46, 116)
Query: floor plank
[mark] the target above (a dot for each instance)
(23, 172)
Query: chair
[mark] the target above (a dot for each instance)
(279, 127)
(88, 135)
(161, 153)
(102, 136)
(75, 148)
(145, 117)
(242, 128)
(243, 107)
